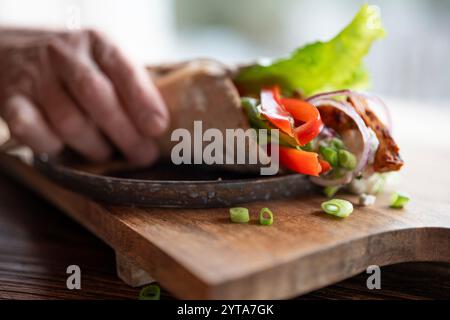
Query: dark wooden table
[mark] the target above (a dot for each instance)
(38, 242)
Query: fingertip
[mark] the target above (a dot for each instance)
(155, 120)
(145, 153)
(101, 155)
(28, 126)
(53, 147)
(154, 124)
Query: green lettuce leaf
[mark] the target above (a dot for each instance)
(321, 66)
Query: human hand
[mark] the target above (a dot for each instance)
(78, 89)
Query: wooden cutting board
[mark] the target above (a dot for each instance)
(200, 254)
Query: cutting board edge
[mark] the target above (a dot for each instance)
(196, 287)
(426, 239)
(24, 174)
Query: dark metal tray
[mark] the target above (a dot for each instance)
(165, 185)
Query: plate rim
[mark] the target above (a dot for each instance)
(46, 162)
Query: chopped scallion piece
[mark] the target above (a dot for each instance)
(308, 147)
(151, 292)
(266, 217)
(337, 173)
(399, 200)
(239, 215)
(347, 160)
(330, 155)
(337, 207)
(330, 191)
(337, 143)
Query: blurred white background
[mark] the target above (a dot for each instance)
(410, 63)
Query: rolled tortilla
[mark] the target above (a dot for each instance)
(204, 90)
(201, 90)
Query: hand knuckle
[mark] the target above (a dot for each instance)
(88, 84)
(94, 33)
(54, 46)
(21, 124)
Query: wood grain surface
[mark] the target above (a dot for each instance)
(199, 254)
(38, 242)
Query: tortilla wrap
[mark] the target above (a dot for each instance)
(201, 90)
(204, 90)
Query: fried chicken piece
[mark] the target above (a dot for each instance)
(387, 157)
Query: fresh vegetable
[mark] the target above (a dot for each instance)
(399, 200)
(308, 147)
(330, 155)
(151, 292)
(274, 112)
(305, 147)
(258, 121)
(326, 167)
(347, 160)
(266, 217)
(330, 192)
(337, 143)
(321, 66)
(307, 113)
(337, 207)
(300, 161)
(239, 215)
(281, 112)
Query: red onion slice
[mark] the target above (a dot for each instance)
(331, 94)
(343, 106)
(365, 96)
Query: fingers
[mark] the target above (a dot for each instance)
(96, 95)
(71, 125)
(28, 126)
(142, 100)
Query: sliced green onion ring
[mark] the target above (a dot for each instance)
(151, 292)
(347, 160)
(331, 191)
(239, 215)
(399, 200)
(337, 207)
(308, 147)
(330, 155)
(337, 143)
(266, 217)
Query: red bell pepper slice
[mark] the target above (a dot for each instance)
(325, 166)
(306, 112)
(274, 111)
(300, 161)
(280, 112)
